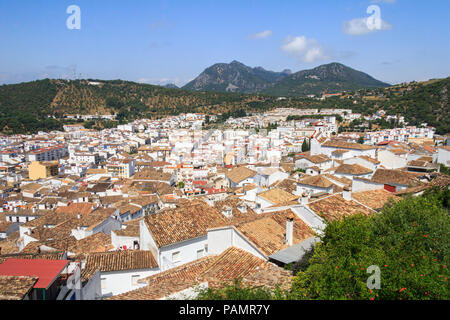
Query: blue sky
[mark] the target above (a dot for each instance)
(160, 41)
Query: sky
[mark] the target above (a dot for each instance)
(173, 41)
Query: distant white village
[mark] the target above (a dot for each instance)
(154, 209)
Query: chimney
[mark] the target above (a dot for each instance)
(289, 229)
(304, 199)
(34, 209)
(79, 216)
(16, 209)
(347, 193)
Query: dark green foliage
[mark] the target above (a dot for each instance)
(444, 169)
(329, 78)
(409, 241)
(306, 145)
(303, 263)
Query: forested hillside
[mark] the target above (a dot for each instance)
(29, 107)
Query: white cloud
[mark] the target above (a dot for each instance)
(361, 26)
(262, 35)
(383, 1)
(308, 50)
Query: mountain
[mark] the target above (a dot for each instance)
(235, 77)
(328, 78)
(44, 104)
(171, 86)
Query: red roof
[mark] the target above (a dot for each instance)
(46, 270)
(197, 182)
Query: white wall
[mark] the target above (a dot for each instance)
(310, 189)
(362, 162)
(362, 185)
(188, 252)
(119, 241)
(443, 157)
(117, 282)
(310, 218)
(223, 238)
(391, 161)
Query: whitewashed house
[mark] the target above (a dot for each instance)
(121, 270)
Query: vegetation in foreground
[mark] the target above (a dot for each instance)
(409, 241)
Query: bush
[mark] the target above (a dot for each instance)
(408, 241)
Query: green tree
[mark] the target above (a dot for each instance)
(408, 241)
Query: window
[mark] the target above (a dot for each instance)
(200, 253)
(176, 256)
(134, 280)
(103, 280)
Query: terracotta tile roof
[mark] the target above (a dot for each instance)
(16, 287)
(398, 151)
(8, 247)
(110, 199)
(128, 208)
(99, 187)
(31, 187)
(374, 199)
(441, 180)
(4, 226)
(370, 159)
(82, 208)
(269, 276)
(412, 190)
(316, 181)
(249, 186)
(418, 163)
(28, 212)
(343, 180)
(233, 263)
(277, 196)
(240, 173)
(336, 207)
(144, 200)
(268, 231)
(186, 222)
(121, 260)
(217, 271)
(319, 158)
(168, 282)
(151, 174)
(238, 216)
(151, 187)
(340, 151)
(347, 145)
(387, 176)
(130, 229)
(45, 256)
(288, 185)
(353, 169)
(98, 242)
